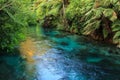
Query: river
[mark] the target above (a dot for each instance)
(56, 55)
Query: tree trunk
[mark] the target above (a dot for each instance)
(65, 3)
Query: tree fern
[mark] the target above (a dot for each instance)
(91, 27)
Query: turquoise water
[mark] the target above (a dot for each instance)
(56, 55)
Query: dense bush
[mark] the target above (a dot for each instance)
(14, 18)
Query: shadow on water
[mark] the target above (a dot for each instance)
(53, 55)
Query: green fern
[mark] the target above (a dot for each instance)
(116, 26)
(116, 29)
(116, 38)
(111, 14)
(91, 27)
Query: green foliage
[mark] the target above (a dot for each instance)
(77, 8)
(47, 8)
(91, 27)
(15, 16)
(107, 12)
(111, 14)
(116, 30)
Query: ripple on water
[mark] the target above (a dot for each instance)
(61, 56)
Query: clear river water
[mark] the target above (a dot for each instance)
(56, 55)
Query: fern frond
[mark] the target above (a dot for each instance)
(111, 14)
(91, 27)
(116, 26)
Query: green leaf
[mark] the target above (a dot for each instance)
(111, 14)
(10, 15)
(105, 33)
(116, 26)
(116, 38)
(108, 12)
(113, 17)
(117, 35)
(91, 27)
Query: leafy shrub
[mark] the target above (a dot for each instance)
(14, 18)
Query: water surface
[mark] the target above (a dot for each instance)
(56, 55)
